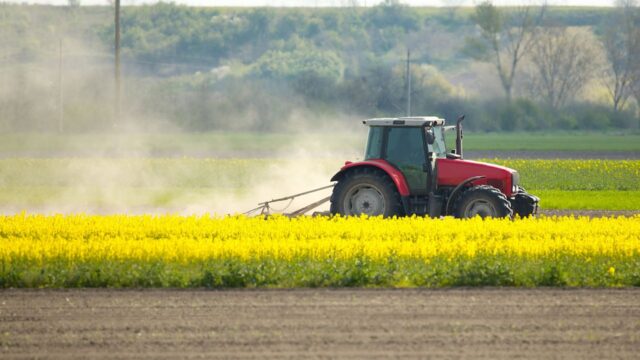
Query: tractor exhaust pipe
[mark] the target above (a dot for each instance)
(459, 136)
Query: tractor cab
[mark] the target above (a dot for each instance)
(410, 144)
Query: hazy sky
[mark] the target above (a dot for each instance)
(316, 2)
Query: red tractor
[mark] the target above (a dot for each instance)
(407, 170)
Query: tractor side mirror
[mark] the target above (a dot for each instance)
(430, 136)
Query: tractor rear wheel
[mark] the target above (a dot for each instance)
(483, 201)
(366, 191)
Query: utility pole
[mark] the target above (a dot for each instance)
(117, 65)
(408, 77)
(60, 94)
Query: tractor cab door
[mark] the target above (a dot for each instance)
(406, 149)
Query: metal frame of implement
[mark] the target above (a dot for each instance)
(265, 207)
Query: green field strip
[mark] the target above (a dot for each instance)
(23, 198)
(245, 173)
(588, 200)
(172, 144)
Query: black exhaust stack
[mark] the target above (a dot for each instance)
(459, 136)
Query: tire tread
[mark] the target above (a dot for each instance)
(496, 193)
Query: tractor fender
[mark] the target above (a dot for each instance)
(396, 175)
(454, 193)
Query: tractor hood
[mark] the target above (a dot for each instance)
(452, 172)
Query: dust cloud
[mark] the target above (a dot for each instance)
(124, 175)
(305, 166)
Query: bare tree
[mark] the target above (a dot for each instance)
(635, 87)
(510, 36)
(622, 44)
(564, 61)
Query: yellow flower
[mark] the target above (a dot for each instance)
(179, 239)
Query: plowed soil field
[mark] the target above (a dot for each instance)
(323, 323)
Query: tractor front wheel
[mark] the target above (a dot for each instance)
(483, 201)
(366, 191)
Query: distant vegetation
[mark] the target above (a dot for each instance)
(269, 69)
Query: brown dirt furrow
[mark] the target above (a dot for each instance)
(323, 323)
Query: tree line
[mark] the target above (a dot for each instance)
(516, 68)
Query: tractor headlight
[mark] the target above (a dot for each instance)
(515, 181)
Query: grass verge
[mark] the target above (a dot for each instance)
(588, 200)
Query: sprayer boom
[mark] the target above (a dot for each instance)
(265, 207)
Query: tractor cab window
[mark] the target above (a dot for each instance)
(439, 147)
(405, 150)
(374, 143)
(405, 145)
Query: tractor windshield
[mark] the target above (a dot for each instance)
(439, 146)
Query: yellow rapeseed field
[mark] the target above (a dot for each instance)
(83, 250)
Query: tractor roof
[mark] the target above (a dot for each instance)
(406, 121)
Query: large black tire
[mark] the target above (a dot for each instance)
(483, 201)
(366, 191)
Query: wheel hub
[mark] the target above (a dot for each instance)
(480, 208)
(365, 199)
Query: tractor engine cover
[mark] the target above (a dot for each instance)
(452, 172)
